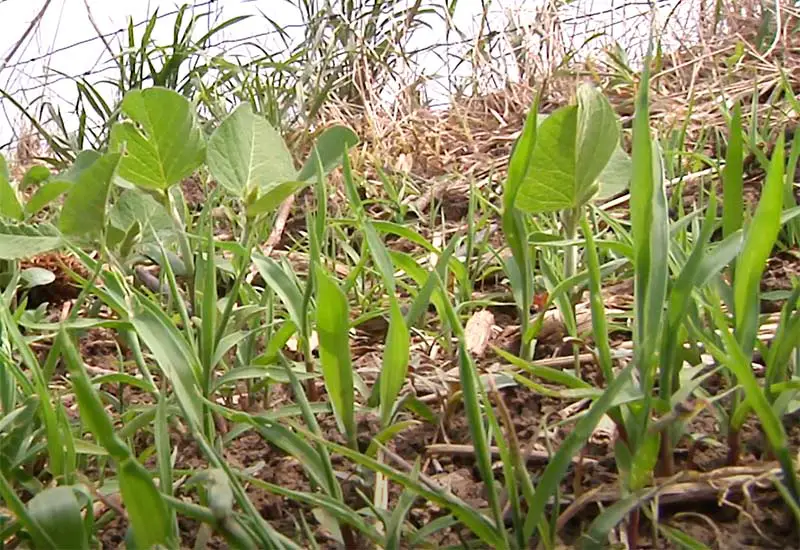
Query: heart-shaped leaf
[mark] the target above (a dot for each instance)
(245, 153)
(573, 147)
(162, 142)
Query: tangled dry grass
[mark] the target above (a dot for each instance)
(733, 60)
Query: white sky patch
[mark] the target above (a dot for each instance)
(65, 45)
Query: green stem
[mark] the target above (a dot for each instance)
(237, 283)
(571, 219)
(186, 248)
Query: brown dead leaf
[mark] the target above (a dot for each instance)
(479, 331)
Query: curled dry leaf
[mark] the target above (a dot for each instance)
(478, 332)
(603, 433)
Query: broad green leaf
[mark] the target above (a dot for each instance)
(274, 196)
(549, 183)
(572, 149)
(84, 210)
(245, 153)
(162, 142)
(135, 206)
(58, 513)
(10, 206)
(36, 276)
(83, 161)
(616, 176)
(35, 175)
(46, 194)
(597, 138)
(333, 323)
(330, 146)
(41, 539)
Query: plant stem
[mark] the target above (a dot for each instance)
(237, 283)
(183, 241)
(570, 220)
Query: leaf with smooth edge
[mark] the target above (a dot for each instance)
(60, 183)
(246, 153)
(136, 206)
(162, 143)
(10, 206)
(282, 285)
(46, 194)
(616, 176)
(83, 161)
(36, 174)
(147, 511)
(395, 362)
(36, 276)
(330, 146)
(58, 513)
(573, 147)
(549, 183)
(273, 198)
(759, 241)
(84, 210)
(333, 322)
(176, 359)
(597, 138)
(24, 241)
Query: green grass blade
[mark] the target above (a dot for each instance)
(738, 361)
(333, 322)
(147, 511)
(732, 182)
(759, 240)
(571, 446)
(40, 537)
(596, 536)
(173, 354)
(55, 446)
